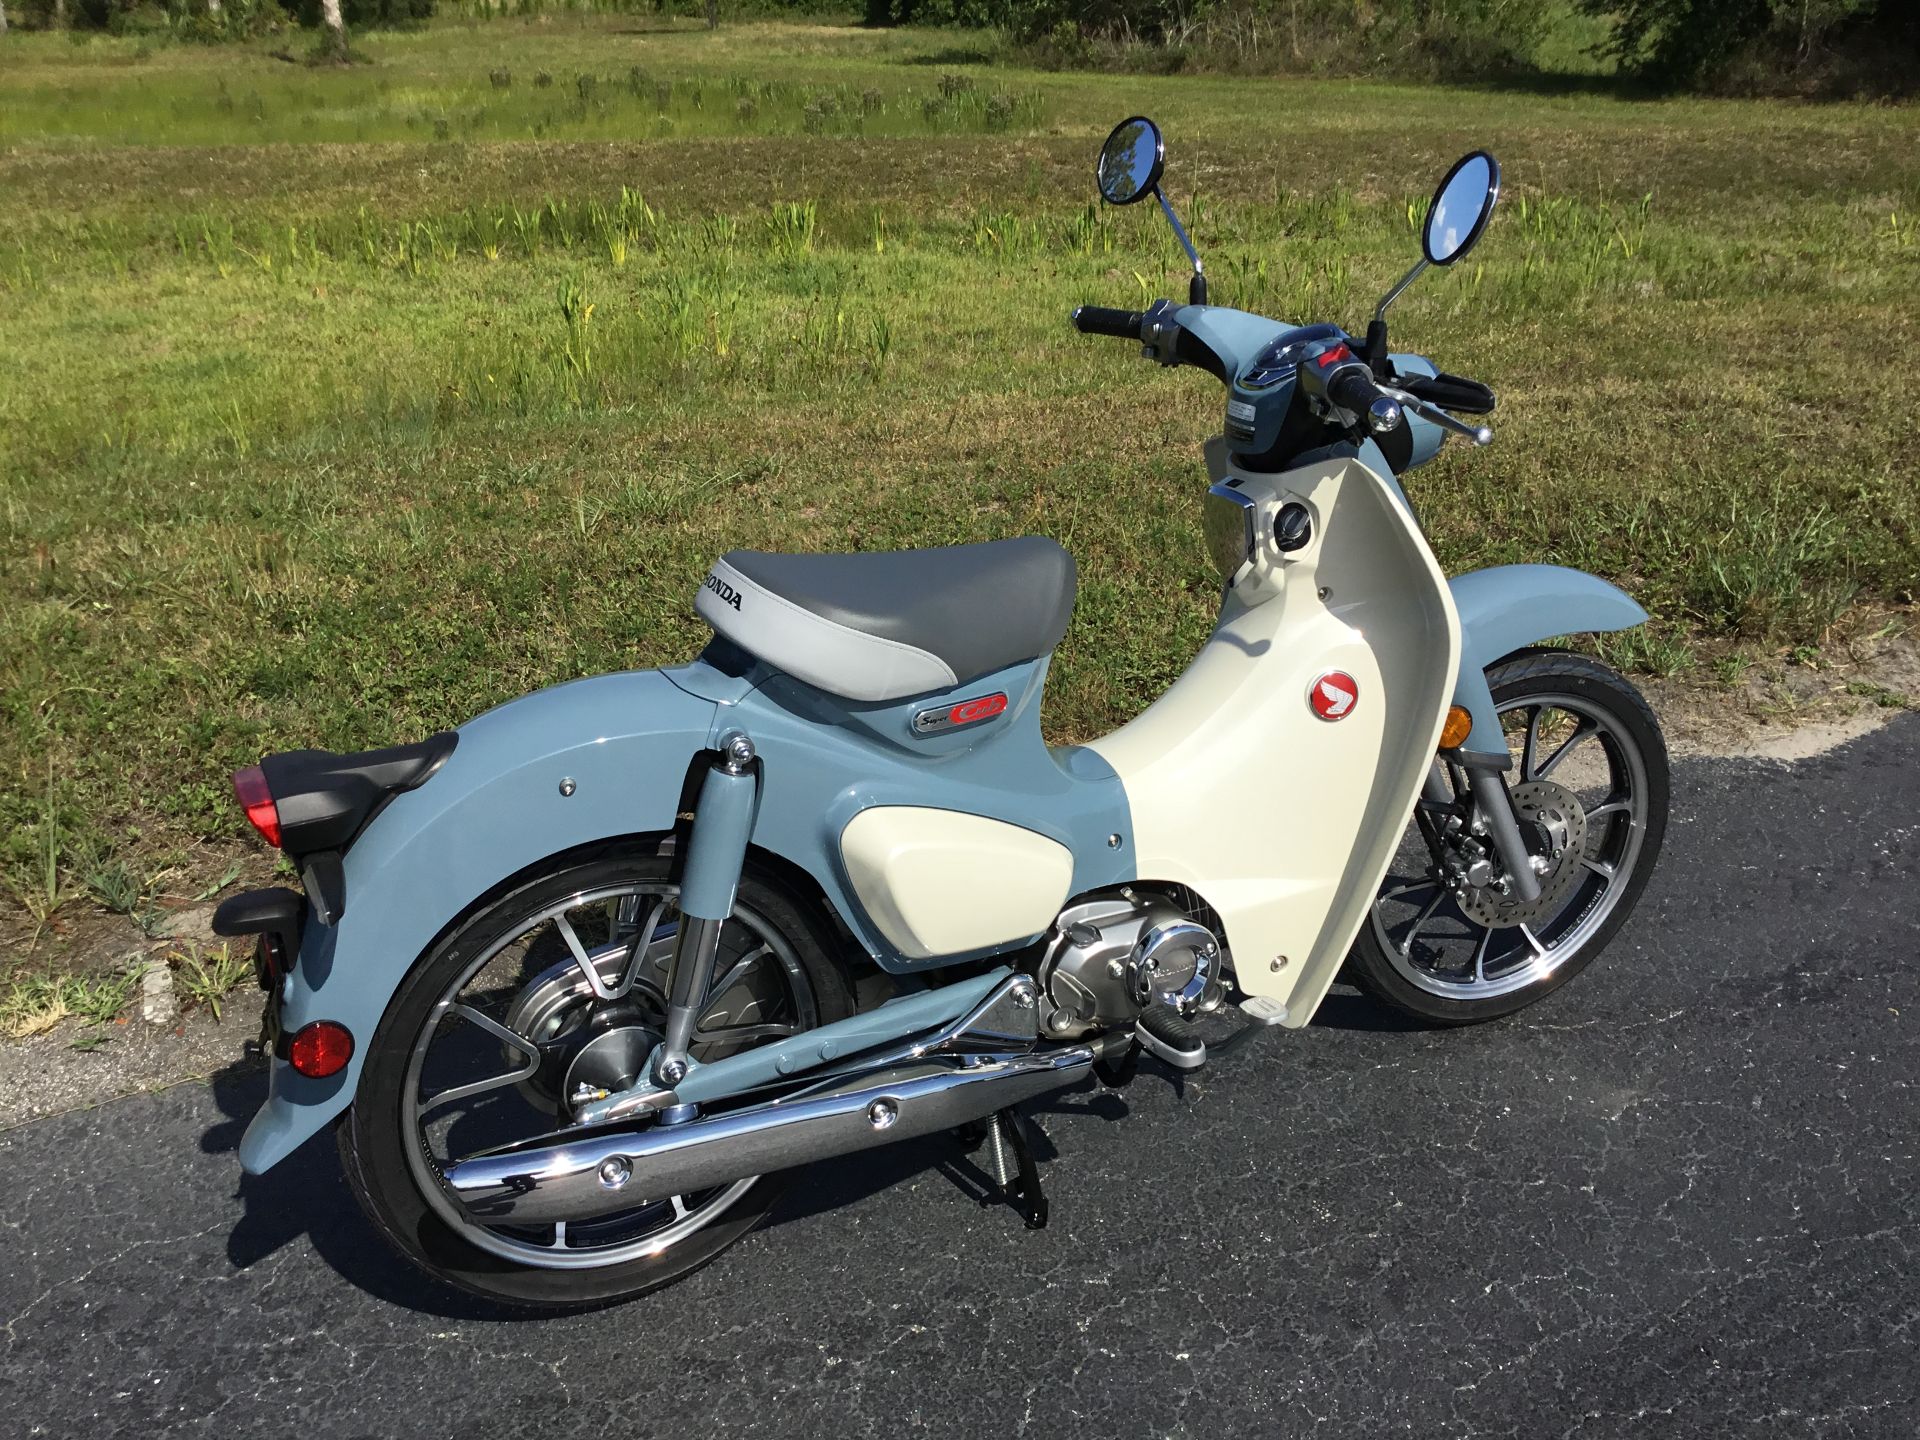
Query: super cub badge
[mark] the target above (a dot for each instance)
(1332, 696)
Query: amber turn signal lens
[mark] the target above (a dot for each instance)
(1459, 725)
(321, 1049)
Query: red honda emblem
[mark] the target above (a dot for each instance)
(1332, 696)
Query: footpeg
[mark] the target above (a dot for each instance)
(1165, 1032)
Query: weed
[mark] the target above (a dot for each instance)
(35, 1005)
(227, 877)
(44, 891)
(1881, 695)
(115, 886)
(790, 228)
(206, 977)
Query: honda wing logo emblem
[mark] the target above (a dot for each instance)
(1334, 695)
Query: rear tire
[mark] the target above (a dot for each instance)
(374, 1134)
(1622, 828)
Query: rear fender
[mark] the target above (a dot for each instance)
(592, 760)
(1512, 606)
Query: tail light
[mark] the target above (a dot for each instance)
(250, 789)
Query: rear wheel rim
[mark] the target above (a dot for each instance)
(625, 932)
(1419, 924)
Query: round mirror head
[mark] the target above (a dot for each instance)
(1461, 207)
(1130, 161)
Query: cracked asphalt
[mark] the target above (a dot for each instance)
(1676, 1199)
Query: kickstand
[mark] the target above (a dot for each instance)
(1010, 1157)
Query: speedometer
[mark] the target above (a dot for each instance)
(1282, 355)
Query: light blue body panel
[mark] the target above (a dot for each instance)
(626, 741)
(1512, 606)
(493, 809)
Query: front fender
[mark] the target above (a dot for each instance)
(493, 809)
(1512, 606)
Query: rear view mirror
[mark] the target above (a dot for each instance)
(1461, 207)
(1129, 169)
(1131, 161)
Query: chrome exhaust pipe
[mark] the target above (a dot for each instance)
(573, 1179)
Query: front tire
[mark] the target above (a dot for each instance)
(506, 992)
(1453, 953)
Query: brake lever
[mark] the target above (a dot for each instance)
(1478, 434)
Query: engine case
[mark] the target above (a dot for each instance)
(1093, 972)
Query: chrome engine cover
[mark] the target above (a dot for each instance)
(1108, 957)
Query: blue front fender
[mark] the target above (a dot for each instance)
(625, 742)
(1512, 606)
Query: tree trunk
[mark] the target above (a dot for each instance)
(60, 14)
(713, 14)
(3, 17)
(336, 28)
(213, 9)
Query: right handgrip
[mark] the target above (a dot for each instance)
(1099, 320)
(1352, 388)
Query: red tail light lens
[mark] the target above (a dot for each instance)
(320, 1049)
(250, 789)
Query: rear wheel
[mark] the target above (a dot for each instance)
(1447, 939)
(560, 984)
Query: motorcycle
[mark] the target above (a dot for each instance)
(577, 981)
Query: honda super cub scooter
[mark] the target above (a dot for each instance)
(575, 979)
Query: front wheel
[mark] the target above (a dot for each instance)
(500, 1023)
(1446, 940)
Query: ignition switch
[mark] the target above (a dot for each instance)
(1292, 527)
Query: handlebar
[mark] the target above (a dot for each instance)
(1352, 388)
(1099, 320)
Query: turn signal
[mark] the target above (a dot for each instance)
(1459, 725)
(320, 1049)
(250, 789)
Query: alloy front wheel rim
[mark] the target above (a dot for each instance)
(1428, 936)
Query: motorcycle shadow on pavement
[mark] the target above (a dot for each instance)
(306, 1194)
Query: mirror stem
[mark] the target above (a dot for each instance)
(1376, 356)
(1197, 290)
(1380, 310)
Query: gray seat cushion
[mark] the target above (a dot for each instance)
(890, 624)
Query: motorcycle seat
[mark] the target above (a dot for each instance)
(889, 624)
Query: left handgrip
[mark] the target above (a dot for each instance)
(1099, 320)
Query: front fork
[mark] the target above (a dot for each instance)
(716, 852)
(1493, 804)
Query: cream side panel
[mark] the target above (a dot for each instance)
(1282, 821)
(939, 882)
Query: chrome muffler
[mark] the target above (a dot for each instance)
(579, 1178)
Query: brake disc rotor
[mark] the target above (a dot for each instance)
(1553, 823)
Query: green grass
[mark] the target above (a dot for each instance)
(322, 423)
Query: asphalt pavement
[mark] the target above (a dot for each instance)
(1678, 1198)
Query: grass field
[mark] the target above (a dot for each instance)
(336, 406)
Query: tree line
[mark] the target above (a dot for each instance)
(1789, 47)
(1807, 47)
